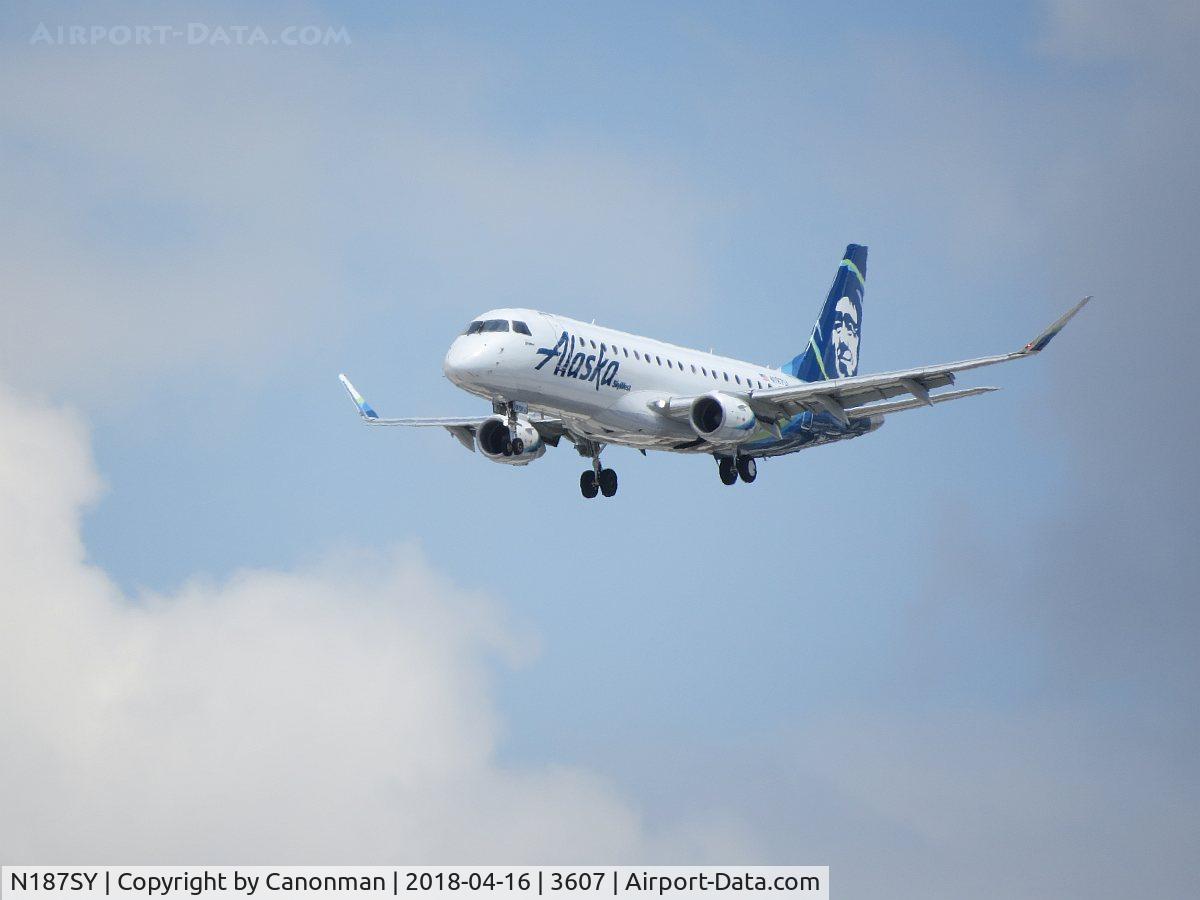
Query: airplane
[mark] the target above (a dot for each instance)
(551, 378)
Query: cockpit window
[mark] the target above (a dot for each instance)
(521, 328)
(481, 325)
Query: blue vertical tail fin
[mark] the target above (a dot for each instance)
(833, 346)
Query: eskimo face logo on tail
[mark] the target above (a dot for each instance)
(843, 339)
(597, 368)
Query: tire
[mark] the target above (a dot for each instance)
(587, 484)
(727, 470)
(747, 469)
(518, 446)
(608, 482)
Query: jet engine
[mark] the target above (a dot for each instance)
(721, 418)
(518, 449)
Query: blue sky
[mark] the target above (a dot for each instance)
(964, 632)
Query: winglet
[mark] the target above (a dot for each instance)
(364, 408)
(1039, 343)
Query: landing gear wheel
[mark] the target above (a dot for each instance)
(587, 484)
(608, 482)
(747, 468)
(727, 470)
(518, 446)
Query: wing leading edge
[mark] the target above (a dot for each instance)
(463, 428)
(860, 396)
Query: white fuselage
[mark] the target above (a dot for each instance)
(601, 382)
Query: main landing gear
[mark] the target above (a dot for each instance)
(596, 480)
(591, 484)
(730, 469)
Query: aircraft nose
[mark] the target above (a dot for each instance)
(462, 360)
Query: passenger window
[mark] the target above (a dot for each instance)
(704, 371)
(625, 351)
(737, 378)
(474, 328)
(636, 355)
(593, 343)
(495, 325)
(522, 328)
(669, 364)
(726, 374)
(658, 359)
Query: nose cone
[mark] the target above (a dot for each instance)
(463, 361)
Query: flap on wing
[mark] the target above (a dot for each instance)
(850, 393)
(894, 406)
(464, 434)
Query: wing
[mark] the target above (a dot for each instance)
(463, 428)
(866, 395)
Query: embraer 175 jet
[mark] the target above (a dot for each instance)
(551, 378)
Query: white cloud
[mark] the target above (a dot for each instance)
(342, 711)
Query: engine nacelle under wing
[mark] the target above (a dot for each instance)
(499, 446)
(722, 419)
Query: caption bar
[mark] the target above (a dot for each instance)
(147, 882)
